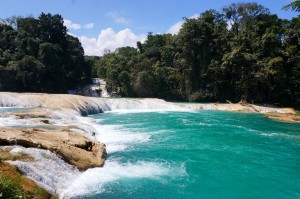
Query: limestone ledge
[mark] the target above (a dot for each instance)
(80, 150)
(72, 147)
(46, 104)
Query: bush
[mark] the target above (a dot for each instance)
(201, 96)
(10, 188)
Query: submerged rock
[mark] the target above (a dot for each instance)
(285, 117)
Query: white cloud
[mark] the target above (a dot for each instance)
(69, 33)
(108, 39)
(174, 29)
(88, 26)
(75, 26)
(70, 25)
(117, 18)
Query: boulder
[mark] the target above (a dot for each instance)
(72, 147)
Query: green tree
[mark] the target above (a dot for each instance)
(293, 6)
(145, 84)
(29, 74)
(201, 41)
(38, 55)
(239, 14)
(52, 29)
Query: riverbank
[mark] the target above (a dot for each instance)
(270, 112)
(54, 122)
(15, 183)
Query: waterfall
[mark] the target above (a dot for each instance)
(83, 105)
(50, 172)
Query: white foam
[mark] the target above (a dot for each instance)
(117, 139)
(48, 170)
(8, 121)
(14, 121)
(280, 135)
(125, 111)
(204, 124)
(66, 114)
(92, 180)
(62, 179)
(141, 105)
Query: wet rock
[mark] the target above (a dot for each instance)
(73, 148)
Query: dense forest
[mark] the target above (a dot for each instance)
(38, 55)
(242, 52)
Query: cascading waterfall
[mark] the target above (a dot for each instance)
(69, 180)
(47, 170)
(56, 176)
(172, 139)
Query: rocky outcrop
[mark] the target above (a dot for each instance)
(251, 108)
(72, 147)
(75, 148)
(285, 117)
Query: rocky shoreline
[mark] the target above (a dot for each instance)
(270, 112)
(54, 122)
(48, 124)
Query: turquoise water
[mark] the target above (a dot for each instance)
(203, 154)
(10, 109)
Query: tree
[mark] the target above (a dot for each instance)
(52, 29)
(38, 55)
(239, 14)
(145, 84)
(293, 6)
(291, 47)
(29, 74)
(201, 41)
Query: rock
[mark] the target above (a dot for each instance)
(284, 117)
(73, 148)
(45, 121)
(6, 155)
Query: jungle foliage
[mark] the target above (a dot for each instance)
(242, 52)
(38, 55)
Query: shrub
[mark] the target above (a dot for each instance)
(10, 188)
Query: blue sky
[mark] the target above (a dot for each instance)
(108, 24)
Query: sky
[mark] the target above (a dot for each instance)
(104, 25)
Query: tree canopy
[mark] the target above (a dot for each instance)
(293, 6)
(38, 55)
(240, 52)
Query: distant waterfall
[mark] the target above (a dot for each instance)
(96, 89)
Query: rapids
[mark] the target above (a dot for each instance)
(158, 149)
